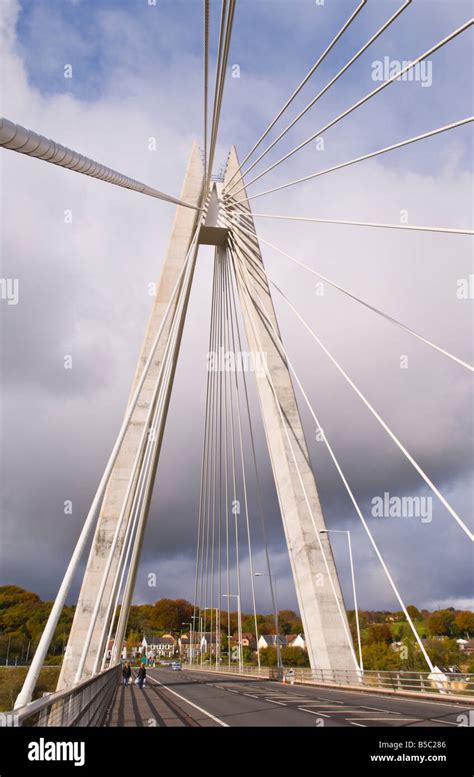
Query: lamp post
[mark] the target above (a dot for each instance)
(193, 618)
(239, 626)
(273, 591)
(217, 619)
(345, 531)
(190, 637)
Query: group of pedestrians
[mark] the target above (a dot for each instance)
(127, 673)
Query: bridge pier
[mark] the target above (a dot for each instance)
(184, 225)
(317, 586)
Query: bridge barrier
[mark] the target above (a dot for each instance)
(84, 704)
(442, 683)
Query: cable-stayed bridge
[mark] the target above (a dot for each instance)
(216, 209)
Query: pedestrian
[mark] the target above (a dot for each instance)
(141, 676)
(127, 673)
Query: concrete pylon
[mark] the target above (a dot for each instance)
(184, 225)
(317, 586)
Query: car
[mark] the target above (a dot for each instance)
(176, 666)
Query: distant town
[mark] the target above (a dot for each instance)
(164, 631)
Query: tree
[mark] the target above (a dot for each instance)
(379, 655)
(439, 623)
(268, 657)
(443, 651)
(413, 612)
(169, 614)
(362, 618)
(379, 632)
(133, 638)
(248, 656)
(289, 622)
(464, 623)
(294, 656)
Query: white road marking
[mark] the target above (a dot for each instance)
(217, 720)
(456, 705)
(282, 704)
(394, 719)
(252, 695)
(377, 709)
(314, 712)
(291, 699)
(330, 701)
(318, 704)
(302, 700)
(362, 725)
(341, 712)
(446, 722)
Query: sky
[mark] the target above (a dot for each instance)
(83, 286)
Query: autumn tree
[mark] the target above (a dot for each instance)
(439, 623)
(169, 614)
(379, 655)
(379, 632)
(444, 652)
(464, 623)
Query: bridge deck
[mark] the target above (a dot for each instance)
(149, 707)
(199, 698)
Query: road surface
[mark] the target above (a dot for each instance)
(195, 698)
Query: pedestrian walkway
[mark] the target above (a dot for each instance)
(149, 707)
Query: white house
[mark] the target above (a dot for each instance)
(271, 640)
(290, 640)
(163, 646)
(297, 641)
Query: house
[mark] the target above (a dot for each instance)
(186, 649)
(284, 640)
(164, 646)
(296, 640)
(271, 640)
(466, 645)
(209, 642)
(248, 640)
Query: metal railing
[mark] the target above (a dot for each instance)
(444, 683)
(83, 705)
(225, 668)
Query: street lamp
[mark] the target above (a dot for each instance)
(198, 618)
(190, 639)
(239, 626)
(217, 620)
(273, 591)
(345, 531)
